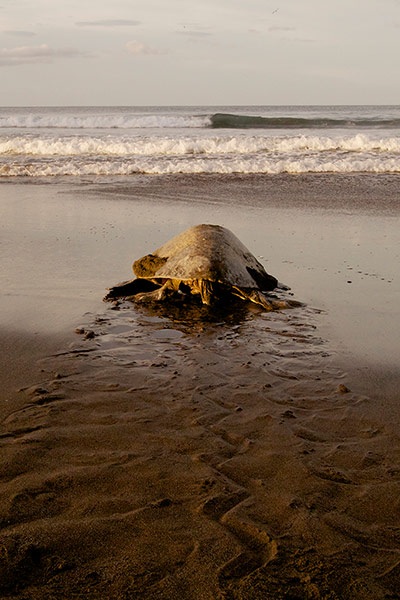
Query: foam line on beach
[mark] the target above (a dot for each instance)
(189, 165)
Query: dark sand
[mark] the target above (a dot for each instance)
(197, 455)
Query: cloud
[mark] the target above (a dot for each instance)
(138, 48)
(36, 54)
(108, 23)
(20, 33)
(301, 40)
(276, 28)
(192, 33)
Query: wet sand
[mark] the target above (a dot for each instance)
(186, 454)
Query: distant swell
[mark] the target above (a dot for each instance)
(111, 121)
(228, 121)
(123, 121)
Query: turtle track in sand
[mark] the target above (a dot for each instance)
(208, 460)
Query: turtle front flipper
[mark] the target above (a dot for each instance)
(157, 295)
(130, 288)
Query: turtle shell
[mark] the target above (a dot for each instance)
(206, 252)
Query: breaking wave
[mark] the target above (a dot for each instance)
(192, 145)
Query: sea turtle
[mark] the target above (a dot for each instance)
(205, 260)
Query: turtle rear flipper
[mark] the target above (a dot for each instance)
(271, 303)
(254, 296)
(278, 304)
(207, 290)
(258, 297)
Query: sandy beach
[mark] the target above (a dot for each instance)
(206, 455)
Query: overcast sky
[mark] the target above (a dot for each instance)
(194, 52)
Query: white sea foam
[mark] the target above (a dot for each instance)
(192, 145)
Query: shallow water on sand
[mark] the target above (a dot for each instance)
(63, 244)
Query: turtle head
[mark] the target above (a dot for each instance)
(148, 265)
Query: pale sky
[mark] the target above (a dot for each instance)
(195, 52)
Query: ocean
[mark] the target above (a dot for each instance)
(125, 141)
